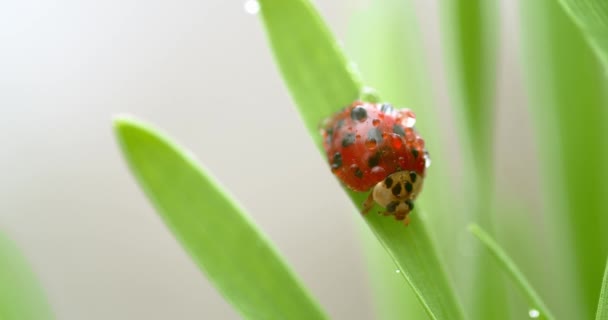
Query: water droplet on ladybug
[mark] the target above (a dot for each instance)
(427, 160)
(408, 122)
(358, 136)
(371, 144)
(377, 170)
(376, 122)
(397, 144)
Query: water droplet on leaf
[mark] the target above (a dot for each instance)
(252, 7)
(533, 313)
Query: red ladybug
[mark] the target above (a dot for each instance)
(373, 145)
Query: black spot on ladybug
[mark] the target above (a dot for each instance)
(413, 176)
(330, 135)
(388, 182)
(374, 160)
(337, 161)
(398, 130)
(409, 203)
(348, 139)
(415, 153)
(408, 187)
(386, 108)
(374, 134)
(396, 189)
(392, 206)
(359, 114)
(358, 173)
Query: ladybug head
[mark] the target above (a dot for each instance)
(397, 192)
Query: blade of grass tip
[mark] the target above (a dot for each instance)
(470, 33)
(602, 306)
(321, 81)
(538, 308)
(569, 106)
(21, 296)
(592, 17)
(385, 40)
(217, 233)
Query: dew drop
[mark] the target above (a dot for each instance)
(377, 170)
(397, 271)
(408, 122)
(371, 144)
(376, 122)
(427, 160)
(533, 313)
(369, 94)
(397, 143)
(252, 7)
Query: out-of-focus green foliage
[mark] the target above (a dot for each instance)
(592, 18)
(602, 306)
(21, 296)
(569, 107)
(538, 308)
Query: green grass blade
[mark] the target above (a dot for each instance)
(470, 34)
(313, 66)
(602, 306)
(569, 106)
(513, 271)
(213, 228)
(592, 17)
(21, 296)
(321, 81)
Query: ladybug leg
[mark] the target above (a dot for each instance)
(403, 215)
(368, 204)
(406, 221)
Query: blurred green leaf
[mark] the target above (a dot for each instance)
(569, 106)
(592, 17)
(602, 306)
(321, 81)
(471, 40)
(513, 271)
(213, 228)
(21, 296)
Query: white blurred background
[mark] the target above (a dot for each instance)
(202, 72)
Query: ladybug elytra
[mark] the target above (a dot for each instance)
(373, 145)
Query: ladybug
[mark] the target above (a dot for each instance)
(375, 146)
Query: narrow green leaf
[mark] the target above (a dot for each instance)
(536, 303)
(592, 17)
(321, 81)
(602, 306)
(213, 228)
(568, 101)
(21, 296)
(313, 66)
(470, 34)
